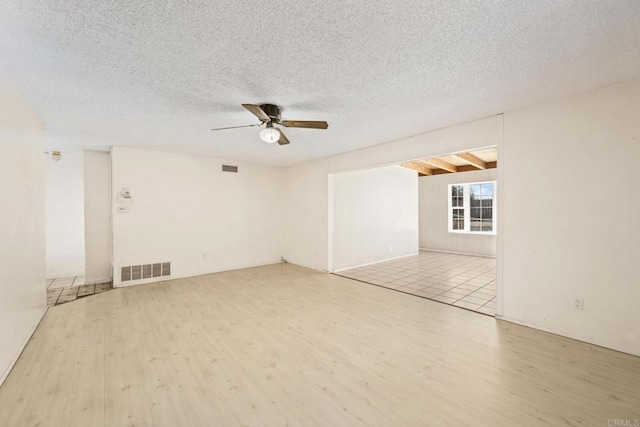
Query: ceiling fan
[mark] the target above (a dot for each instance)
(269, 115)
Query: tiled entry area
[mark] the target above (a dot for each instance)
(66, 289)
(65, 282)
(462, 280)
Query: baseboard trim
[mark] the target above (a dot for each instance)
(608, 346)
(8, 369)
(456, 253)
(375, 262)
(306, 266)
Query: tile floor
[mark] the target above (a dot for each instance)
(462, 280)
(66, 289)
(65, 282)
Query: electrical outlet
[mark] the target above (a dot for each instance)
(578, 304)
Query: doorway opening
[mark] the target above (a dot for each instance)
(426, 227)
(78, 225)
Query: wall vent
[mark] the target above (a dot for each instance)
(136, 272)
(125, 274)
(229, 168)
(166, 268)
(144, 271)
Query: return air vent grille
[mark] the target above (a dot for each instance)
(145, 271)
(125, 274)
(136, 272)
(229, 168)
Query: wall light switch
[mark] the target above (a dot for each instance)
(124, 209)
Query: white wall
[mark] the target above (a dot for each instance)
(567, 211)
(434, 207)
(306, 188)
(97, 214)
(375, 216)
(22, 242)
(64, 213)
(571, 216)
(185, 210)
(306, 228)
(481, 133)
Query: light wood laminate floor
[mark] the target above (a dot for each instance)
(284, 345)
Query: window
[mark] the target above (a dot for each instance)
(472, 207)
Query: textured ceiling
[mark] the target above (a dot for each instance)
(160, 73)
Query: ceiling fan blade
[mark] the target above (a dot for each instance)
(283, 138)
(258, 112)
(236, 127)
(304, 124)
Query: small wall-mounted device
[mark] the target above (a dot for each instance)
(123, 209)
(125, 196)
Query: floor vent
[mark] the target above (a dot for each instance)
(145, 271)
(229, 168)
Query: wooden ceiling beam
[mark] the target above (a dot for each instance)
(441, 164)
(471, 160)
(465, 168)
(419, 167)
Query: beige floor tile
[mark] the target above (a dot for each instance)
(462, 292)
(474, 300)
(448, 300)
(467, 305)
(469, 287)
(425, 294)
(439, 276)
(441, 286)
(449, 294)
(483, 296)
(491, 304)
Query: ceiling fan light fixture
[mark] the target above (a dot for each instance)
(269, 114)
(270, 134)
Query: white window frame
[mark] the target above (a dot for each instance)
(467, 208)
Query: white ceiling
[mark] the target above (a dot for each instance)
(160, 73)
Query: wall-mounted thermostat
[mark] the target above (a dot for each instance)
(125, 196)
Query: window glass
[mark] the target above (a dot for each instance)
(458, 219)
(478, 216)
